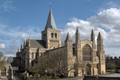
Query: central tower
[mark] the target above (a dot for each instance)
(51, 35)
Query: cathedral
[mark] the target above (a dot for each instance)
(83, 52)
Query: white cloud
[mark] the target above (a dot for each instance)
(107, 22)
(24, 36)
(7, 5)
(2, 46)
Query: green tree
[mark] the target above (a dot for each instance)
(2, 60)
(55, 64)
(111, 66)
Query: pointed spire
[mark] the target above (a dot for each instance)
(99, 36)
(92, 33)
(50, 21)
(92, 36)
(77, 40)
(77, 31)
(24, 42)
(21, 46)
(18, 49)
(68, 37)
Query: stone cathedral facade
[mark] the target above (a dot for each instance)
(84, 52)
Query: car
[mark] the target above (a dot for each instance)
(117, 71)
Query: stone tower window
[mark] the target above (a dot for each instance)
(32, 55)
(86, 53)
(51, 35)
(55, 35)
(74, 52)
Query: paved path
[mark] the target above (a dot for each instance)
(75, 78)
(16, 78)
(112, 75)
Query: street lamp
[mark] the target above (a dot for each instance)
(46, 74)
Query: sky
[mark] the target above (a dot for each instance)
(22, 19)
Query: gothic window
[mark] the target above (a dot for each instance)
(32, 55)
(86, 53)
(51, 35)
(3, 72)
(73, 51)
(55, 35)
(36, 55)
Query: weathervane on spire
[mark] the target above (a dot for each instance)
(50, 5)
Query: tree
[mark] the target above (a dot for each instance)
(111, 66)
(107, 56)
(55, 64)
(2, 61)
(10, 59)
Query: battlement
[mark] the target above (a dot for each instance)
(111, 58)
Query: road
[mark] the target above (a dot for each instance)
(16, 78)
(112, 75)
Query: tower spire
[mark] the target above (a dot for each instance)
(68, 37)
(92, 36)
(99, 36)
(77, 36)
(50, 21)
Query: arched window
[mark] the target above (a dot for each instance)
(3, 72)
(55, 35)
(86, 53)
(51, 35)
(32, 55)
(36, 55)
(73, 51)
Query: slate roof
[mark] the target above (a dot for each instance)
(37, 44)
(13, 64)
(50, 21)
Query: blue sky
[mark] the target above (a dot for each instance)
(20, 19)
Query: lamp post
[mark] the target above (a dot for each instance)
(46, 74)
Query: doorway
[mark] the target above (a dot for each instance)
(88, 69)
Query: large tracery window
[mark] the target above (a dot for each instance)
(86, 53)
(3, 72)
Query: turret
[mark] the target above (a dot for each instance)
(101, 54)
(18, 50)
(69, 53)
(21, 47)
(93, 39)
(78, 52)
(99, 43)
(77, 36)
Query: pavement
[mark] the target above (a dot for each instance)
(75, 78)
(111, 75)
(16, 78)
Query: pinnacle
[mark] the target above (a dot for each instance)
(77, 31)
(18, 49)
(99, 36)
(92, 33)
(68, 37)
(21, 45)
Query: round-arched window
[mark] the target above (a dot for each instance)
(52, 35)
(86, 53)
(55, 35)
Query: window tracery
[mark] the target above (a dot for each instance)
(86, 53)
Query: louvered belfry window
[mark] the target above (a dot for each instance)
(86, 53)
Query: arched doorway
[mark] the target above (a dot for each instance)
(88, 69)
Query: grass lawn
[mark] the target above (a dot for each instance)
(45, 79)
(109, 70)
